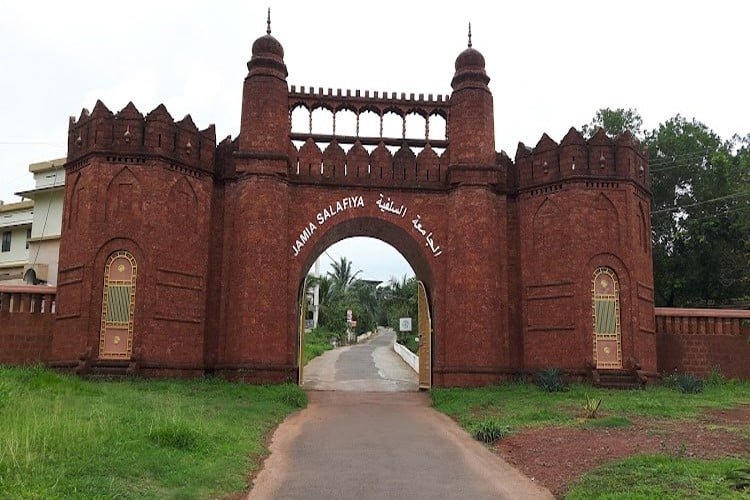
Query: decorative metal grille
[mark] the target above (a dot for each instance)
(118, 304)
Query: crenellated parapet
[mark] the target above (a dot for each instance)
(598, 159)
(128, 134)
(380, 167)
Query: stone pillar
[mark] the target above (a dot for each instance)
(476, 326)
(257, 319)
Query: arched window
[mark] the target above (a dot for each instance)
(606, 316)
(118, 301)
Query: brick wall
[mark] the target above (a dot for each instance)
(26, 322)
(224, 236)
(697, 340)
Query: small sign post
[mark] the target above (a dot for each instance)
(404, 324)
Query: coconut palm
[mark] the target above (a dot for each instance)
(342, 274)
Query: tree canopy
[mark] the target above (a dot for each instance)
(700, 208)
(371, 303)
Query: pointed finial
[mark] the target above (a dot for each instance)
(469, 35)
(268, 22)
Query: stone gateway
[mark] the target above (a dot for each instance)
(182, 257)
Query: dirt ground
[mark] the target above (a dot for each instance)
(555, 456)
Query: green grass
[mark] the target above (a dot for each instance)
(659, 476)
(63, 437)
(520, 405)
(317, 342)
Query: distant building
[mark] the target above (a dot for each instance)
(44, 239)
(15, 229)
(31, 228)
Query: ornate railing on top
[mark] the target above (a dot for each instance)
(32, 299)
(380, 165)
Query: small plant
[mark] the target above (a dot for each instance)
(551, 380)
(669, 379)
(739, 478)
(489, 430)
(715, 378)
(591, 407)
(689, 384)
(678, 452)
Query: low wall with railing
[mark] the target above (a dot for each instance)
(27, 316)
(699, 340)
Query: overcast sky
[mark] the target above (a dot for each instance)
(552, 65)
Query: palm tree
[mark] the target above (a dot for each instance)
(342, 275)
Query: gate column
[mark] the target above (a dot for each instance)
(256, 345)
(474, 340)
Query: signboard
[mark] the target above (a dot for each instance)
(404, 324)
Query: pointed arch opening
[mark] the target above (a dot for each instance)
(118, 305)
(605, 291)
(373, 301)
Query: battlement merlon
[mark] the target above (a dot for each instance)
(599, 158)
(129, 134)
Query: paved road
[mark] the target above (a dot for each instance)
(372, 366)
(374, 441)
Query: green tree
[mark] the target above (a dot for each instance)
(400, 301)
(615, 122)
(700, 187)
(339, 291)
(342, 274)
(700, 208)
(328, 297)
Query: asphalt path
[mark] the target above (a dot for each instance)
(371, 366)
(367, 436)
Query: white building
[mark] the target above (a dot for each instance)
(44, 243)
(15, 230)
(31, 228)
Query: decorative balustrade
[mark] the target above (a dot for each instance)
(27, 316)
(701, 321)
(699, 341)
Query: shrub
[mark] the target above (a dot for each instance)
(689, 384)
(410, 340)
(669, 379)
(489, 430)
(551, 380)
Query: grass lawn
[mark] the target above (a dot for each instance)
(659, 476)
(523, 405)
(64, 437)
(317, 342)
(508, 407)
